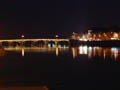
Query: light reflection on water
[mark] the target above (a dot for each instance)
(91, 52)
(49, 49)
(47, 69)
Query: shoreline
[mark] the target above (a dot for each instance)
(109, 43)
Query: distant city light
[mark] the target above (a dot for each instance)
(99, 36)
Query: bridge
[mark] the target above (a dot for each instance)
(21, 42)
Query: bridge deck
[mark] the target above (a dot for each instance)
(17, 40)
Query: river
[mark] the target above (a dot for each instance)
(59, 68)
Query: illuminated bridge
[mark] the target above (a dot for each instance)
(31, 42)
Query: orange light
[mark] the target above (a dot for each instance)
(57, 51)
(2, 51)
(56, 36)
(104, 54)
(74, 53)
(23, 52)
(22, 36)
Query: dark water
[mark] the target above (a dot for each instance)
(60, 68)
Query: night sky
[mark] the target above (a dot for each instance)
(45, 18)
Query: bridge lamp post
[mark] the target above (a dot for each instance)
(22, 36)
(22, 43)
(56, 36)
(56, 42)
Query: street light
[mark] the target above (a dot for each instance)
(22, 36)
(56, 36)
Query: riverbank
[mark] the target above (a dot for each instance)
(109, 43)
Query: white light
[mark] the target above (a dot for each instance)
(114, 50)
(59, 46)
(83, 50)
(80, 50)
(49, 45)
(83, 39)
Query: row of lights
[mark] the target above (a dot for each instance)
(94, 37)
(22, 36)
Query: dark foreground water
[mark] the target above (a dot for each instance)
(60, 68)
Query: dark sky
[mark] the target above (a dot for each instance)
(37, 18)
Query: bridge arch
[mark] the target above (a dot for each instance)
(32, 42)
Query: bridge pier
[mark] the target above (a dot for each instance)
(22, 44)
(56, 43)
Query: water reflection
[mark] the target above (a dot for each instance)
(90, 52)
(2, 51)
(99, 52)
(114, 53)
(23, 52)
(104, 54)
(57, 51)
(51, 48)
(83, 50)
(74, 51)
